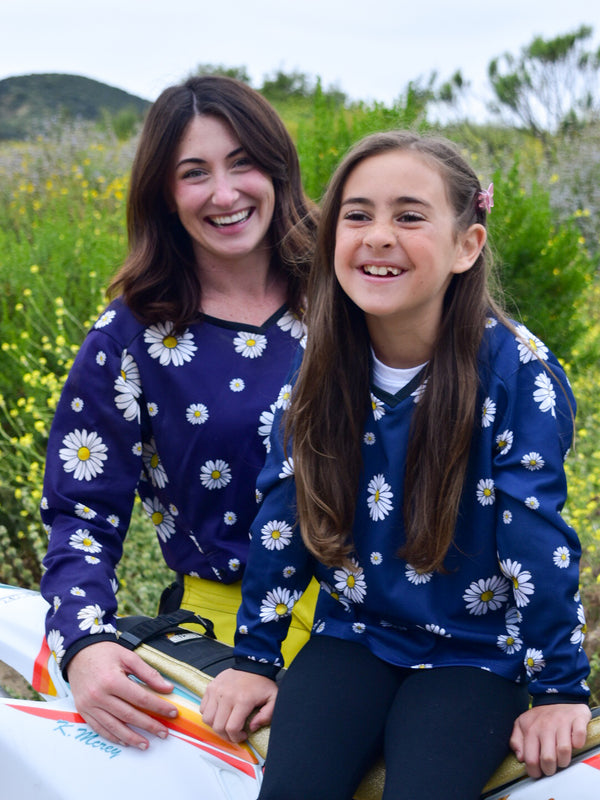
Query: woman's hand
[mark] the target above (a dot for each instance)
(110, 702)
(544, 737)
(231, 697)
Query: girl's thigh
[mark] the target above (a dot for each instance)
(328, 721)
(447, 731)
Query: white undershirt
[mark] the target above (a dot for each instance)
(392, 379)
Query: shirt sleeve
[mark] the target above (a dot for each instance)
(537, 550)
(93, 466)
(279, 566)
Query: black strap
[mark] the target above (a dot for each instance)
(134, 631)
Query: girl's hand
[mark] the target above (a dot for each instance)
(110, 702)
(544, 737)
(231, 697)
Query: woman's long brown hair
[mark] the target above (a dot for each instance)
(331, 396)
(159, 279)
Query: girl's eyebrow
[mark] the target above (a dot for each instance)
(404, 199)
(192, 160)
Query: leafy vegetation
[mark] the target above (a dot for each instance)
(62, 206)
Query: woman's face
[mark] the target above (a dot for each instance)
(223, 200)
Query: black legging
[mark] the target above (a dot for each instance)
(443, 731)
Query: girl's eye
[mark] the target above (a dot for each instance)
(243, 162)
(196, 172)
(356, 216)
(410, 216)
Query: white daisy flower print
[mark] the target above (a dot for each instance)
(266, 426)
(91, 620)
(105, 319)
(113, 520)
(243, 629)
(83, 511)
(491, 322)
(530, 346)
(234, 564)
(377, 407)
(289, 571)
(486, 594)
(250, 345)
(532, 461)
(544, 395)
(83, 453)
(488, 412)
(215, 474)
(229, 518)
(419, 391)
(137, 449)
(83, 540)
(101, 358)
(561, 557)
(287, 468)
(44, 503)
(77, 591)
(359, 627)
(507, 517)
(291, 322)
(56, 643)
(237, 385)
(376, 558)
(168, 348)
(196, 414)
(369, 438)
(520, 579)
(380, 497)
(160, 517)
(421, 666)
(275, 535)
(277, 604)
(486, 492)
(92, 560)
(152, 409)
(504, 441)
(532, 503)
(438, 631)
(56, 603)
(128, 387)
(534, 661)
(258, 495)
(513, 619)
(509, 643)
(578, 633)
(284, 397)
(416, 576)
(351, 583)
(77, 404)
(153, 465)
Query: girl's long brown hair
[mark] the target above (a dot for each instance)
(330, 399)
(159, 279)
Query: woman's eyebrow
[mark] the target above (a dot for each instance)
(193, 160)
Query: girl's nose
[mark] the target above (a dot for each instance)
(379, 236)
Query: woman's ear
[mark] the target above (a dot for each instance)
(469, 246)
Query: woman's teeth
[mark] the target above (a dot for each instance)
(230, 219)
(372, 269)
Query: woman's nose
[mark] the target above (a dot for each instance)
(224, 193)
(379, 235)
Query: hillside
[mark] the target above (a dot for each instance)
(29, 102)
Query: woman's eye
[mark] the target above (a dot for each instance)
(410, 216)
(356, 216)
(193, 173)
(243, 162)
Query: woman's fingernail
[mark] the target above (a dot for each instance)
(162, 734)
(143, 745)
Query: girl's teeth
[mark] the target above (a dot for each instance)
(372, 269)
(231, 219)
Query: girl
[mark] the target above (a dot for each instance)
(174, 388)
(426, 468)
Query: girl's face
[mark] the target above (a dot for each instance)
(222, 199)
(396, 249)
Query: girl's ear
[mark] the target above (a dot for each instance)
(469, 246)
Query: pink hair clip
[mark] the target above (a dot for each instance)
(485, 198)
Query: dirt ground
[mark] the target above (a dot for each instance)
(14, 684)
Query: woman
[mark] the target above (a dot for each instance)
(175, 386)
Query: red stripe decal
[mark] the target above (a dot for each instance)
(594, 761)
(41, 680)
(48, 713)
(238, 764)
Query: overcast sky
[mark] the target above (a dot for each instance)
(370, 49)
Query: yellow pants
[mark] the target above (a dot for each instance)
(220, 602)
